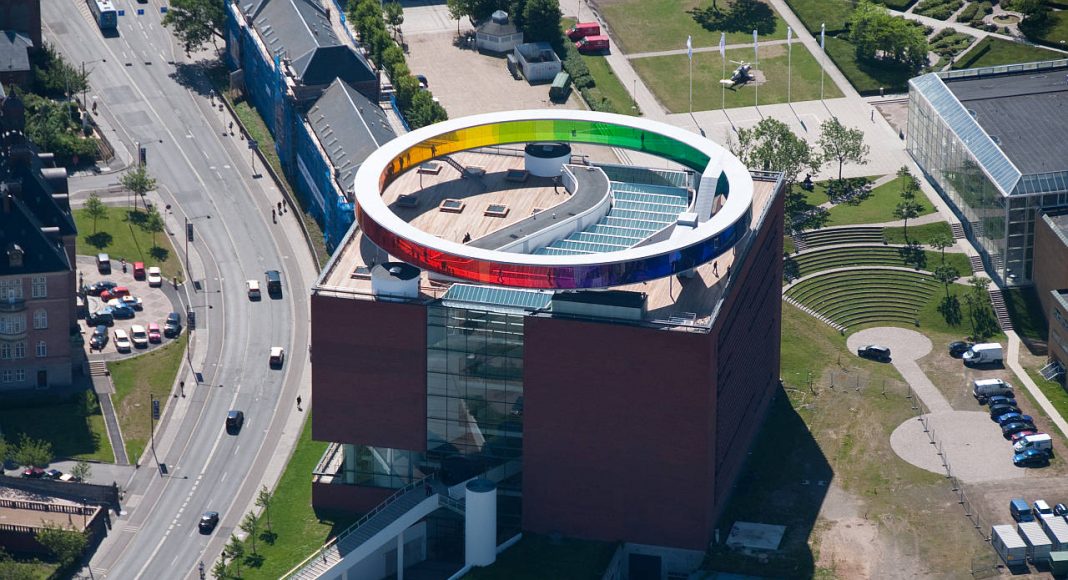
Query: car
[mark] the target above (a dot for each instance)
(155, 277)
(114, 292)
(100, 337)
(173, 326)
(104, 316)
(122, 341)
(996, 410)
(958, 348)
(1031, 458)
(208, 521)
(1021, 434)
(1008, 430)
(253, 287)
(234, 421)
(1001, 400)
(274, 283)
(53, 474)
(133, 302)
(121, 311)
(139, 270)
(1060, 510)
(278, 357)
(874, 352)
(96, 288)
(103, 263)
(139, 335)
(1014, 418)
(154, 335)
(1041, 508)
(33, 472)
(423, 83)
(69, 477)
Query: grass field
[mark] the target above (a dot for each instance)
(1056, 394)
(1057, 32)
(607, 84)
(150, 373)
(813, 13)
(299, 529)
(867, 78)
(668, 77)
(650, 25)
(120, 237)
(72, 433)
(922, 234)
(535, 557)
(995, 51)
(878, 207)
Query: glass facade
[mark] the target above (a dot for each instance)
(1001, 221)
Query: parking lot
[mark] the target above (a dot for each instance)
(156, 304)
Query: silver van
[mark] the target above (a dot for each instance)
(983, 389)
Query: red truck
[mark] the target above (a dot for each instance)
(583, 29)
(592, 44)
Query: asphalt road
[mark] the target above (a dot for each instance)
(201, 173)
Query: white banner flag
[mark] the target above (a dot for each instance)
(689, 47)
(789, 36)
(723, 45)
(754, 40)
(823, 37)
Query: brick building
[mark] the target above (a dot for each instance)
(20, 36)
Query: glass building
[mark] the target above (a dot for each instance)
(991, 141)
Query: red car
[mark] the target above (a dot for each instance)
(116, 292)
(139, 271)
(153, 333)
(1021, 434)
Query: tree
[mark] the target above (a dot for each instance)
(907, 209)
(53, 76)
(219, 569)
(424, 111)
(138, 181)
(248, 525)
(95, 209)
(541, 20)
(940, 242)
(33, 452)
(235, 550)
(52, 126)
(978, 300)
(840, 143)
(195, 22)
(65, 545)
(394, 16)
(946, 275)
(880, 37)
(81, 470)
(263, 500)
(777, 148)
(742, 16)
(153, 224)
(475, 10)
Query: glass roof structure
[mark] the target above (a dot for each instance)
(528, 300)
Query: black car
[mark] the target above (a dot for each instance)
(1001, 409)
(234, 421)
(208, 521)
(957, 349)
(100, 337)
(53, 474)
(1060, 509)
(97, 288)
(874, 352)
(1001, 400)
(1008, 430)
(173, 326)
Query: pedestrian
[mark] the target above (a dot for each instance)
(231, 127)
(873, 115)
(298, 402)
(715, 269)
(274, 216)
(181, 386)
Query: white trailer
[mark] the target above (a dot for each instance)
(1009, 545)
(1038, 543)
(1057, 530)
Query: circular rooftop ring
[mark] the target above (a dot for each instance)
(686, 248)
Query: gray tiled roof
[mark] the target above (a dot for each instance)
(14, 54)
(349, 126)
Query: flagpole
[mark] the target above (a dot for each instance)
(723, 75)
(756, 64)
(823, 62)
(789, 61)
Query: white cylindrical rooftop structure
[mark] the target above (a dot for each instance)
(395, 280)
(480, 522)
(546, 159)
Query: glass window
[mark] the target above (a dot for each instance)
(42, 349)
(20, 350)
(40, 319)
(11, 288)
(40, 286)
(5, 350)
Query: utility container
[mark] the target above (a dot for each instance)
(592, 44)
(561, 87)
(1009, 545)
(583, 29)
(1038, 543)
(1057, 530)
(1058, 563)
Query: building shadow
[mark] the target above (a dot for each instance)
(784, 482)
(195, 75)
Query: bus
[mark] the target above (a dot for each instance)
(107, 18)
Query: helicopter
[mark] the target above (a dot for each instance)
(741, 75)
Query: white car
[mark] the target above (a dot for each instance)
(140, 336)
(253, 289)
(155, 278)
(122, 341)
(278, 357)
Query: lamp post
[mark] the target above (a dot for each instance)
(85, 87)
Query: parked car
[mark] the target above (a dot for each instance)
(154, 335)
(998, 410)
(1001, 400)
(103, 263)
(100, 337)
(96, 288)
(423, 83)
(1060, 510)
(133, 302)
(114, 292)
(983, 389)
(121, 311)
(139, 270)
(33, 472)
(122, 341)
(173, 326)
(1041, 508)
(69, 477)
(274, 283)
(208, 521)
(104, 316)
(1021, 435)
(1031, 458)
(1014, 418)
(1021, 510)
(53, 474)
(253, 289)
(874, 352)
(139, 335)
(155, 277)
(278, 357)
(1008, 430)
(957, 349)
(234, 421)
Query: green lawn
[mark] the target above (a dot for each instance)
(651, 25)
(932, 320)
(25, 567)
(1056, 33)
(878, 207)
(788, 245)
(994, 51)
(72, 433)
(299, 530)
(668, 77)
(535, 557)
(867, 78)
(923, 233)
(120, 237)
(135, 379)
(1056, 394)
(1026, 312)
(607, 84)
(813, 13)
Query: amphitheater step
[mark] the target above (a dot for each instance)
(799, 241)
(958, 230)
(998, 301)
(98, 369)
(977, 263)
(813, 313)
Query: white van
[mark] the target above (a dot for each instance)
(983, 389)
(986, 353)
(1038, 441)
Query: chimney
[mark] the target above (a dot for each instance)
(14, 255)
